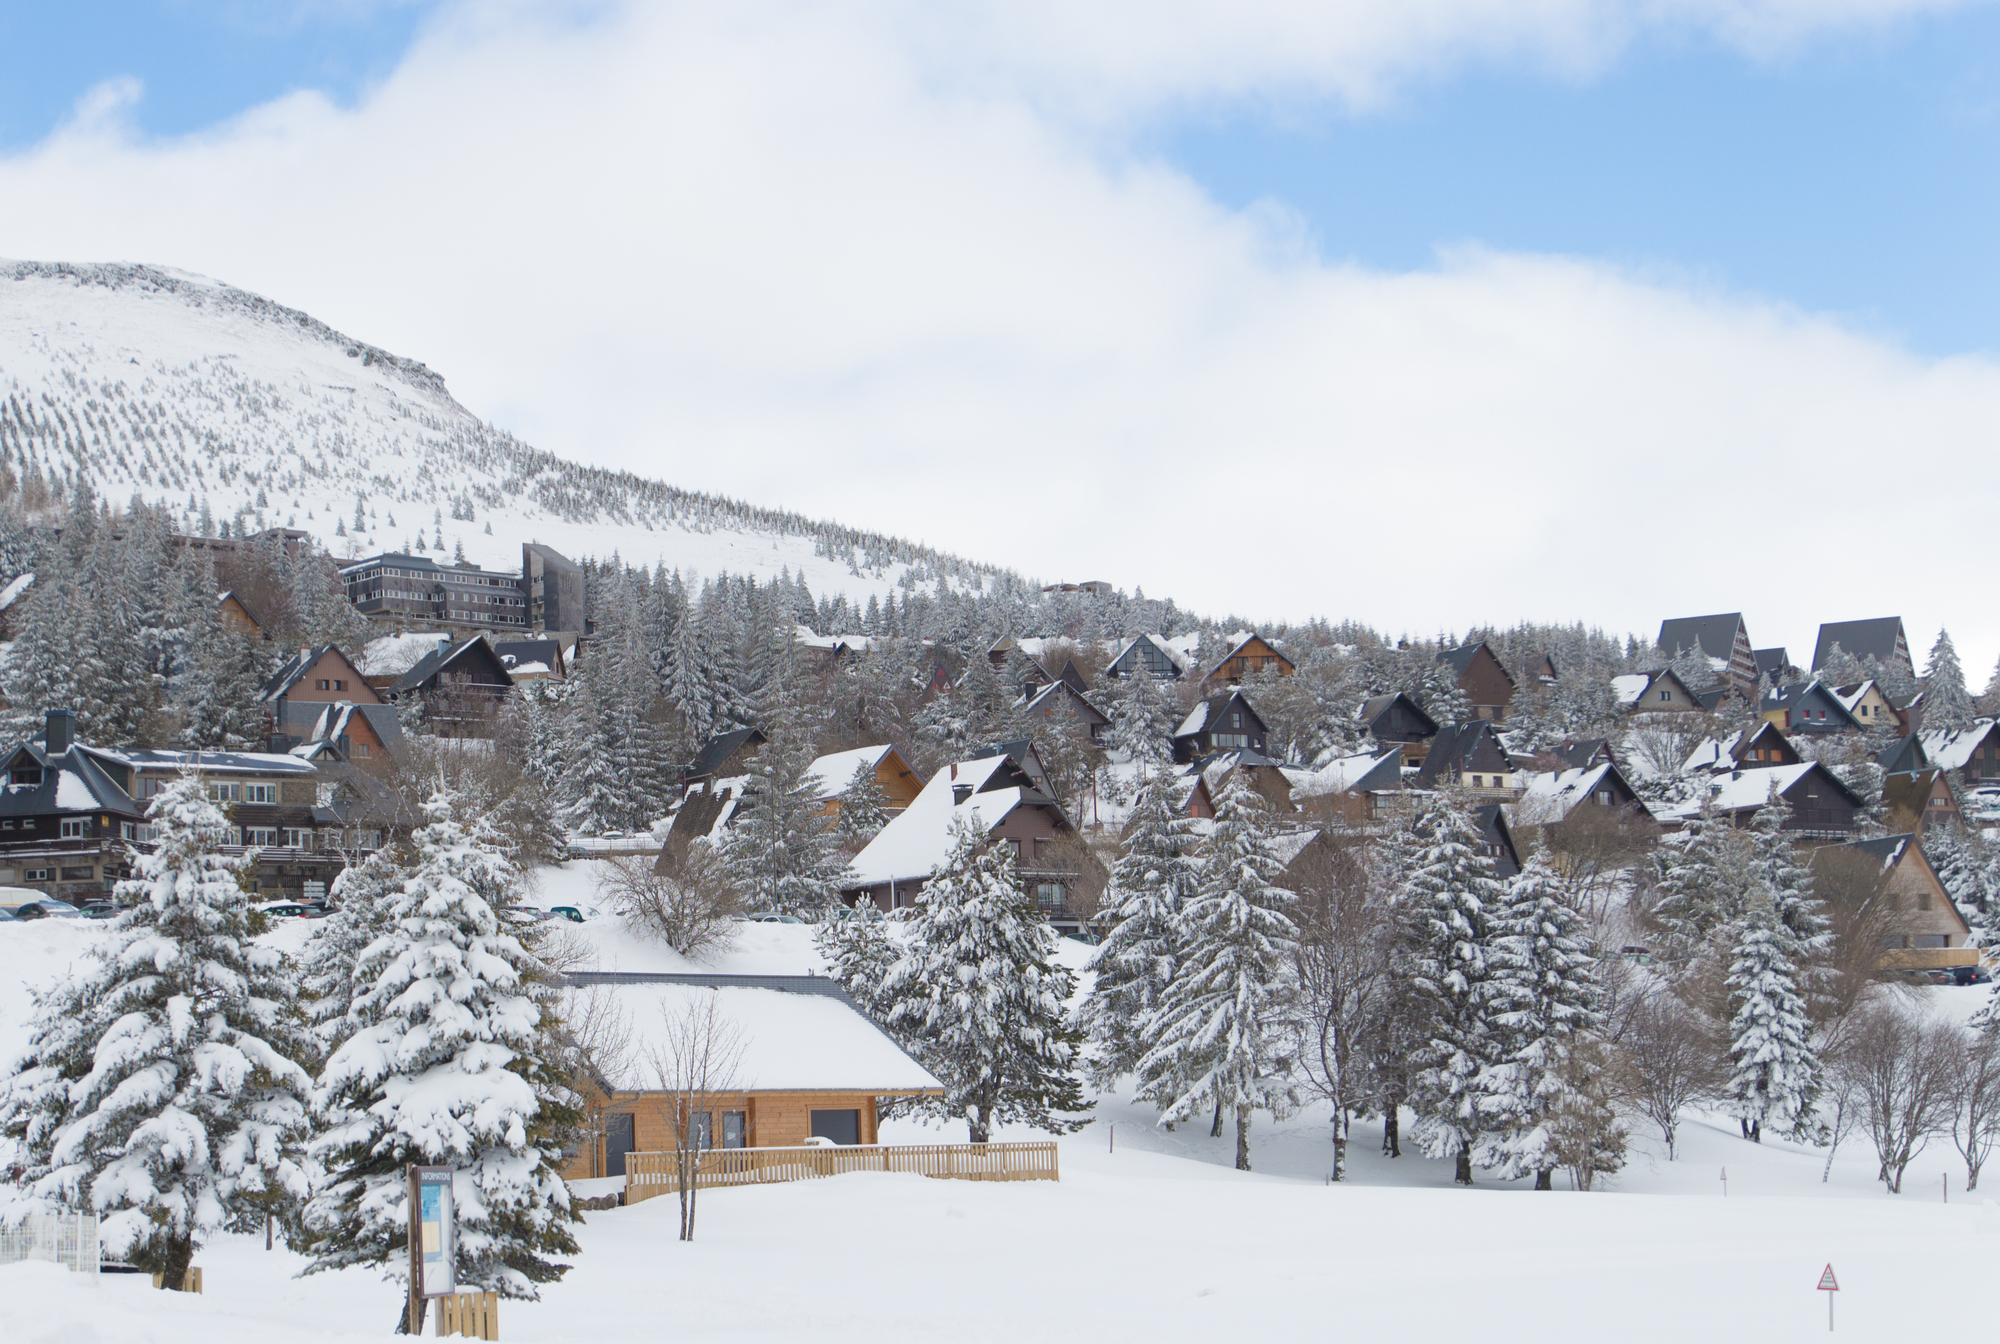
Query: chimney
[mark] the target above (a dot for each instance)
(61, 730)
(960, 792)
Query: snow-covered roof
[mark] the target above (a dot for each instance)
(393, 655)
(832, 774)
(1715, 754)
(1740, 789)
(1340, 774)
(792, 1042)
(1196, 720)
(1950, 751)
(1549, 795)
(1628, 688)
(212, 762)
(15, 587)
(917, 840)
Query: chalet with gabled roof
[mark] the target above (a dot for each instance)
(1774, 669)
(1497, 839)
(1807, 707)
(1148, 654)
(1487, 686)
(1721, 636)
(1397, 718)
(1974, 752)
(1470, 756)
(459, 686)
(1881, 639)
(833, 774)
(1935, 933)
(1654, 693)
(1058, 700)
(1548, 797)
(1903, 755)
(1224, 722)
(237, 616)
(1916, 800)
(723, 756)
(1250, 656)
(1871, 707)
(1761, 746)
(1819, 805)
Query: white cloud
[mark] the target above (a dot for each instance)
(768, 250)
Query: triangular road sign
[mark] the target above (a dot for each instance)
(1826, 1281)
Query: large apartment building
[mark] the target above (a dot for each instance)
(547, 593)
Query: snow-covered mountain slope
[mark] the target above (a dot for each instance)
(188, 392)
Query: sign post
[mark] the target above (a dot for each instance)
(433, 1241)
(1725, 1182)
(1828, 1285)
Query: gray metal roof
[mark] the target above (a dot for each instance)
(1716, 633)
(1875, 639)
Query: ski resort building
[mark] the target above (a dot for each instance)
(397, 588)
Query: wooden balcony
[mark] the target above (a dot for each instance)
(650, 1174)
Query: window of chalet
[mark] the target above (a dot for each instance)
(27, 774)
(1049, 895)
(76, 828)
(1927, 940)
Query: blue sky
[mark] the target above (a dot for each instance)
(1855, 177)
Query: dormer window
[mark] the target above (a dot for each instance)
(27, 774)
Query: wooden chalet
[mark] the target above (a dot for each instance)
(1872, 707)
(1936, 935)
(1761, 746)
(368, 736)
(1396, 718)
(1915, 800)
(1023, 753)
(305, 684)
(1654, 693)
(724, 756)
(1820, 806)
(1807, 707)
(1721, 637)
(812, 1067)
(1148, 654)
(1903, 755)
(833, 774)
(1356, 788)
(237, 616)
(1775, 669)
(1548, 797)
(1003, 802)
(1222, 722)
(1250, 656)
(532, 659)
(1974, 752)
(1487, 686)
(1584, 753)
(1497, 839)
(1470, 756)
(1881, 639)
(459, 685)
(1057, 701)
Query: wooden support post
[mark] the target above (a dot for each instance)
(413, 1323)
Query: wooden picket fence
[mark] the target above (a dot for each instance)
(190, 1282)
(474, 1315)
(650, 1174)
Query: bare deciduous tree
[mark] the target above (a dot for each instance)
(694, 1063)
(687, 898)
(1346, 929)
(593, 1039)
(1668, 1059)
(1901, 1068)
(1975, 1099)
(1854, 889)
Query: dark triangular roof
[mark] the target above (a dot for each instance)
(437, 660)
(1375, 706)
(1460, 658)
(720, 748)
(1877, 639)
(1906, 753)
(1717, 633)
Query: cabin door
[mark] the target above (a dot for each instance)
(617, 1142)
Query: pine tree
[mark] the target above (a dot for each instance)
(859, 955)
(1776, 871)
(1219, 1034)
(1140, 714)
(782, 849)
(1701, 875)
(360, 899)
(1774, 1071)
(1448, 908)
(164, 1090)
(1545, 1005)
(864, 810)
(446, 1062)
(979, 994)
(1947, 708)
(1154, 880)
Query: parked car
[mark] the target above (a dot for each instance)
(27, 903)
(8, 917)
(281, 909)
(99, 910)
(770, 918)
(1970, 975)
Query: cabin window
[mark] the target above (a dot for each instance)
(735, 1129)
(226, 793)
(323, 685)
(38, 875)
(7, 825)
(1604, 797)
(127, 831)
(260, 793)
(82, 874)
(1927, 940)
(840, 1126)
(1049, 895)
(76, 828)
(1895, 941)
(27, 774)
(298, 839)
(261, 835)
(1478, 781)
(1667, 694)
(361, 749)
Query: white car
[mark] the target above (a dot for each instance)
(27, 903)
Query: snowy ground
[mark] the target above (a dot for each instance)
(1157, 1240)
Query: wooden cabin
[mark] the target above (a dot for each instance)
(812, 1066)
(1251, 656)
(1935, 934)
(1487, 686)
(899, 784)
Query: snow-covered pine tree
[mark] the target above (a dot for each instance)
(1700, 873)
(1545, 999)
(444, 1063)
(1989, 699)
(1841, 668)
(1448, 908)
(1141, 712)
(1774, 1071)
(1968, 866)
(980, 996)
(864, 810)
(782, 849)
(329, 983)
(1775, 870)
(1947, 707)
(166, 1089)
(859, 953)
(1218, 1035)
(1153, 881)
